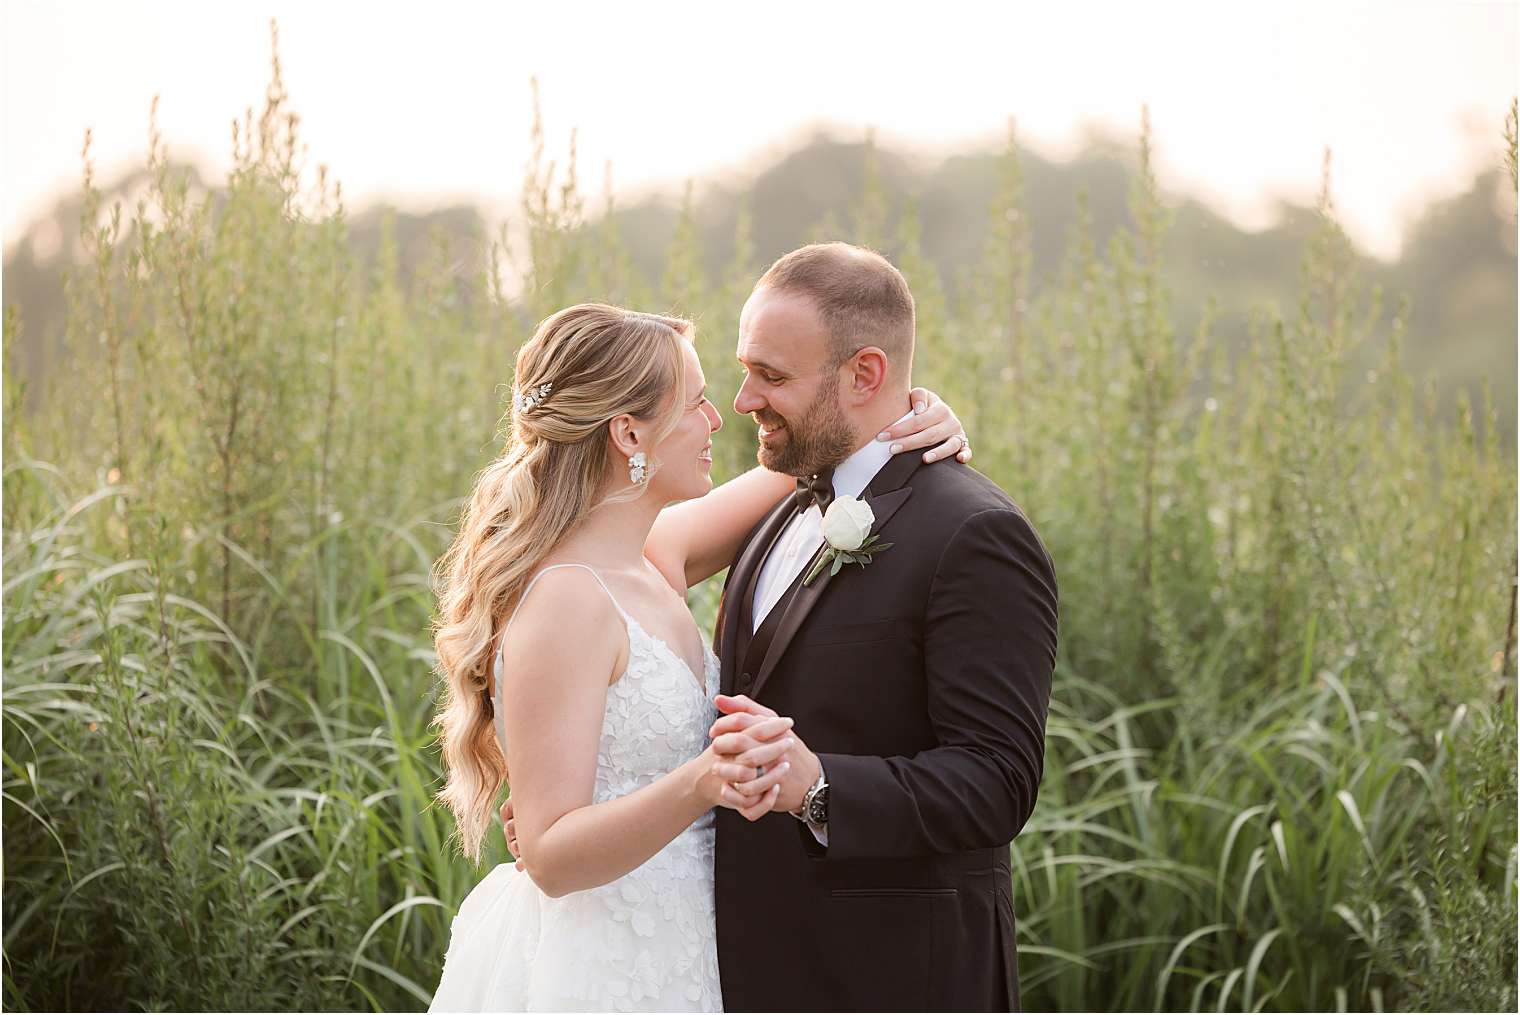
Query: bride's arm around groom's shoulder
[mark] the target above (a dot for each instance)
(695, 539)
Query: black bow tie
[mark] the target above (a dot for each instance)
(816, 489)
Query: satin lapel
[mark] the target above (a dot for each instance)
(806, 597)
(740, 578)
(893, 475)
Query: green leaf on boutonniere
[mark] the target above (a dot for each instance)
(861, 555)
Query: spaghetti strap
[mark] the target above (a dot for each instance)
(501, 644)
(552, 567)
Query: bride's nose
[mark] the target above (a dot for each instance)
(714, 418)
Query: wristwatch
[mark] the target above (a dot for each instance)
(815, 803)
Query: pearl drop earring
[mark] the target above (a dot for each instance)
(636, 463)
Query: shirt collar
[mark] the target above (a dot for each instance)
(853, 474)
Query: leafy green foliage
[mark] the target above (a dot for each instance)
(1281, 751)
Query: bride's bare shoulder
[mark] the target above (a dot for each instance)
(565, 619)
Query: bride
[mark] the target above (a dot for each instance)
(596, 691)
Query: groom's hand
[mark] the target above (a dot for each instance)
(732, 740)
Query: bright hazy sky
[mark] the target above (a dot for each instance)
(424, 104)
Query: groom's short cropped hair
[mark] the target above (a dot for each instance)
(862, 299)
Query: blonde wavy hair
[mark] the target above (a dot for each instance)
(602, 361)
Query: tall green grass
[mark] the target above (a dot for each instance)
(1281, 754)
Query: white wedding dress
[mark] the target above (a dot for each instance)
(643, 942)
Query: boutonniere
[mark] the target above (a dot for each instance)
(846, 528)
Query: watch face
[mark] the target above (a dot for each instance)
(818, 807)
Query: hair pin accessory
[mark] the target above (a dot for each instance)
(523, 403)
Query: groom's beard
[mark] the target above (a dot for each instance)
(820, 440)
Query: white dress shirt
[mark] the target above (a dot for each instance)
(803, 536)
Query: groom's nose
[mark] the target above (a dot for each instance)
(746, 401)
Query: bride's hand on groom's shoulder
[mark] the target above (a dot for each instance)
(933, 425)
(739, 735)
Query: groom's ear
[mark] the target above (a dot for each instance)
(868, 374)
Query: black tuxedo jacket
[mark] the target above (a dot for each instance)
(923, 683)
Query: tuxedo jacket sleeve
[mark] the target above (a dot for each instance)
(989, 643)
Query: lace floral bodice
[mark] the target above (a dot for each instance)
(657, 716)
(644, 941)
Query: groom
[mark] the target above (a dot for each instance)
(919, 683)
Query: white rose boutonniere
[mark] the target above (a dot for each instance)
(846, 528)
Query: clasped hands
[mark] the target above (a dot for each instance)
(754, 765)
(749, 737)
